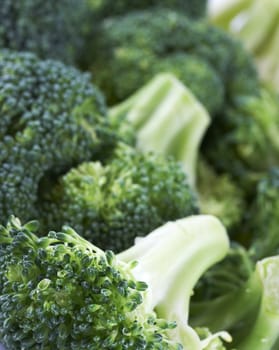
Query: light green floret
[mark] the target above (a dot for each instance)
(62, 292)
(112, 203)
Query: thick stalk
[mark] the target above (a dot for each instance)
(172, 264)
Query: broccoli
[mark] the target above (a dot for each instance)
(138, 45)
(249, 312)
(51, 29)
(62, 292)
(241, 18)
(220, 196)
(245, 143)
(108, 8)
(221, 14)
(167, 119)
(262, 219)
(112, 203)
(51, 118)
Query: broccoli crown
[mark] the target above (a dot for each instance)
(137, 45)
(61, 292)
(219, 195)
(262, 222)
(49, 28)
(248, 136)
(51, 118)
(108, 8)
(129, 196)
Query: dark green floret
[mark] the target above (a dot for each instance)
(137, 45)
(51, 29)
(262, 221)
(245, 142)
(109, 8)
(219, 195)
(51, 118)
(111, 204)
(62, 292)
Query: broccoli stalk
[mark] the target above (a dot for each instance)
(242, 20)
(250, 313)
(62, 292)
(222, 13)
(264, 333)
(191, 246)
(168, 119)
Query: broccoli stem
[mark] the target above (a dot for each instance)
(264, 332)
(257, 37)
(168, 119)
(226, 311)
(144, 102)
(267, 58)
(223, 12)
(190, 246)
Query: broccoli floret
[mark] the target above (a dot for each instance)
(51, 118)
(262, 220)
(167, 119)
(135, 46)
(51, 29)
(245, 143)
(62, 292)
(108, 8)
(111, 204)
(220, 196)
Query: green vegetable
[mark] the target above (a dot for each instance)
(249, 310)
(51, 29)
(61, 292)
(110, 204)
(263, 334)
(167, 119)
(51, 118)
(245, 143)
(262, 221)
(220, 196)
(242, 20)
(138, 45)
(108, 8)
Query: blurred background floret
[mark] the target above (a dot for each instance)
(109, 8)
(51, 29)
(51, 118)
(130, 49)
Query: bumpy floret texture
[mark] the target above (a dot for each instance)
(263, 217)
(61, 292)
(108, 8)
(248, 138)
(219, 195)
(138, 45)
(51, 29)
(51, 118)
(111, 204)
